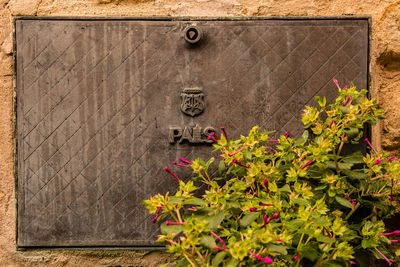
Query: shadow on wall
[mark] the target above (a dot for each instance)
(389, 60)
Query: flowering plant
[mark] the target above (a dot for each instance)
(289, 202)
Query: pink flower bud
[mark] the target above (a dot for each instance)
(265, 260)
(238, 163)
(157, 213)
(185, 161)
(178, 164)
(378, 161)
(352, 201)
(174, 223)
(212, 138)
(307, 164)
(170, 172)
(383, 256)
(240, 149)
(329, 234)
(220, 240)
(223, 130)
(367, 141)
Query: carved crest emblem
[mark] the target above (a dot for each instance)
(192, 101)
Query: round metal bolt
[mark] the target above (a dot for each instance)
(192, 34)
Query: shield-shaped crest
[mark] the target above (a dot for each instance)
(192, 101)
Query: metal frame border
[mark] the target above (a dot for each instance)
(367, 129)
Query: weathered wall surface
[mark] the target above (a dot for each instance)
(385, 75)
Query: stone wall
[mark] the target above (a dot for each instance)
(385, 82)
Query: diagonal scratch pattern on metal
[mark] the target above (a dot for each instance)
(96, 99)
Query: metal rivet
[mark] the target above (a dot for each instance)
(192, 34)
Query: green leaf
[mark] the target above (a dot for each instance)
(169, 229)
(351, 132)
(277, 248)
(300, 201)
(221, 167)
(248, 218)
(247, 155)
(194, 201)
(354, 158)
(285, 188)
(208, 241)
(176, 200)
(310, 253)
(342, 166)
(321, 187)
(344, 202)
(219, 258)
(325, 239)
(295, 224)
(215, 220)
(302, 140)
(355, 175)
(209, 162)
(233, 263)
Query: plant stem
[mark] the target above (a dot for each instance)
(193, 264)
(178, 214)
(352, 211)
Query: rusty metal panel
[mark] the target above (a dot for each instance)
(104, 105)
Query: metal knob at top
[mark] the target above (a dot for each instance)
(192, 34)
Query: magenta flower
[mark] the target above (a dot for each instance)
(380, 103)
(240, 149)
(178, 164)
(266, 259)
(287, 135)
(170, 172)
(391, 158)
(251, 209)
(367, 141)
(192, 209)
(185, 161)
(383, 256)
(264, 204)
(307, 164)
(266, 185)
(351, 200)
(296, 257)
(347, 101)
(212, 138)
(331, 123)
(279, 240)
(238, 163)
(378, 161)
(336, 82)
(329, 233)
(353, 262)
(345, 87)
(214, 135)
(273, 141)
(174, 223)
(397, 232)
(394, 241)
(223, 130)
(157, 213)
(220, 240)
(267, 220)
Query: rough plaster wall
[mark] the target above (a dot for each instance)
(385, 74)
